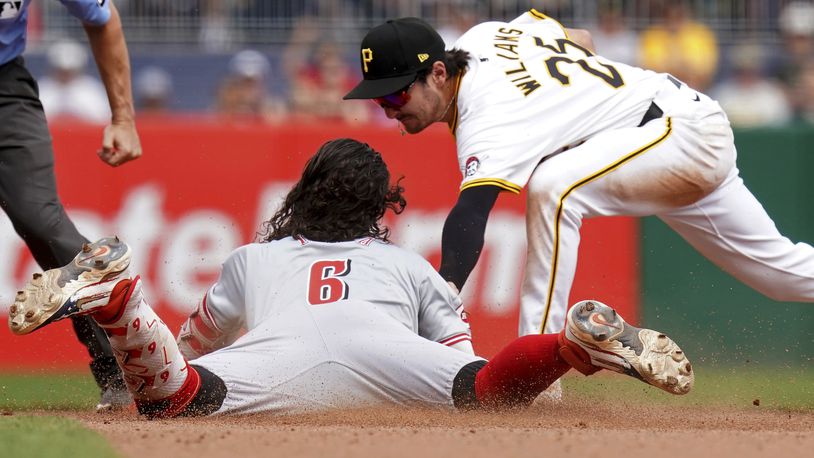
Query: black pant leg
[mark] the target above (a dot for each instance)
(28, 194)
(103, 364)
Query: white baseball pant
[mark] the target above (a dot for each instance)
(680, 167)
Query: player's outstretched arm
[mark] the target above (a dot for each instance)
(462, 238)
(120, 142)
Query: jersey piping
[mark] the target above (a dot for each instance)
(542, 16)
(454, 124)
(454, 339)
(582, 182)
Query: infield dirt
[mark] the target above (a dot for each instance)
(576, 428)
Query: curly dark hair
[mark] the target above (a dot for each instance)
(343, 193)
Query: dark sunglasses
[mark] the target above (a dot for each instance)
(397, 99)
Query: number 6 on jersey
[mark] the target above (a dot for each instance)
(324, 286)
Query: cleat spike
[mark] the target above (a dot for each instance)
(78, 287)
(595, 337)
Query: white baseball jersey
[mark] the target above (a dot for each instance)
(334, 325)
(513, 111)
(536, 110)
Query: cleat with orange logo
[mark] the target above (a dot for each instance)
(596, 337)
(77, 288)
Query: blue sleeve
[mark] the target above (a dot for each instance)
(91, 12)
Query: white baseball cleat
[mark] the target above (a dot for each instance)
(79, 287)
(596, 337)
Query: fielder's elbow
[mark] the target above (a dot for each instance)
(583, 38)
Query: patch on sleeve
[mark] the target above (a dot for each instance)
(472, 166)
(10, 9)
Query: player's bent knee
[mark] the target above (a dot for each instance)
(783, 294)
(546, 186)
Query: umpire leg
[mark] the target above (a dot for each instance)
(28, 195)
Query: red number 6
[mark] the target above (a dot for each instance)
(324, 286)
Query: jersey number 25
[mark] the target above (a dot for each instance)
(612, 77)
(325, 283)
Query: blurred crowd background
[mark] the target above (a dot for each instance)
(276, 60)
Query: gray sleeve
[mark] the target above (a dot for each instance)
(226, 299)
(439, 314)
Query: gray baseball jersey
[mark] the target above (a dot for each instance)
(343, 324)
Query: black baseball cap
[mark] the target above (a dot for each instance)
(393, 53)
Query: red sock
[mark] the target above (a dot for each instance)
(520, 372)
(111, 312)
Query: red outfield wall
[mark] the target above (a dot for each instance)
(202, 188)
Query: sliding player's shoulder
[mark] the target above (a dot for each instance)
(397, 254)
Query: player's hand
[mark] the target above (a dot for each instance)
(453, 288)
(120, 143)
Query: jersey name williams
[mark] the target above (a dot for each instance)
(506, 47)
(507, 42)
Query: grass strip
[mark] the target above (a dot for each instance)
(25, 436)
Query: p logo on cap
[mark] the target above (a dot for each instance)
(404, 48)
(367, 57)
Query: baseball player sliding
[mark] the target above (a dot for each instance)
(335, 316)
(531, 105)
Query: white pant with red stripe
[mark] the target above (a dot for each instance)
(680, 167)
